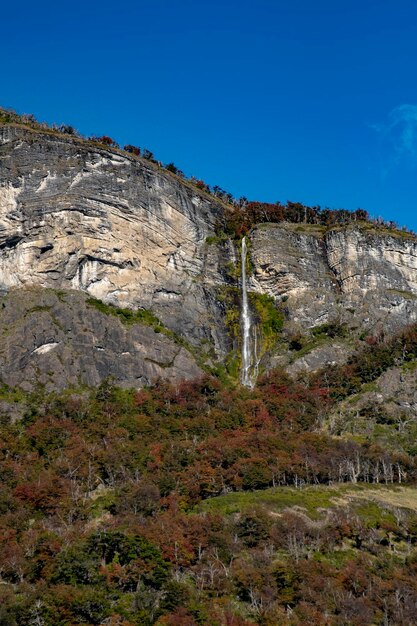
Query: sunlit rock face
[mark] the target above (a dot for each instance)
(77, 216)
(356, 277)
(292, 264)
(361, 276)
(366, 261)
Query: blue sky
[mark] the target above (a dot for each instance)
(307, 101)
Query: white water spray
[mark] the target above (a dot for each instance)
(247, 375)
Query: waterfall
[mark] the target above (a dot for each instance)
(247, 376)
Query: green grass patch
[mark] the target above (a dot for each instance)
(374, 514)
(127, 316)
(409, 365)
(312, 500)
(213, 240)
(276, 499)
(315, 230)
(336, 558)
(368, 387)
(407, 295)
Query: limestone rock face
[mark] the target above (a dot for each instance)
(292, 264)
(78, 216)
(364, 261)
(75, 216)
(354, 275)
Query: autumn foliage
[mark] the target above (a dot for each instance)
(101, 519)
(242, 218)
(204, 502)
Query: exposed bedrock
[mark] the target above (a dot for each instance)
(58, 340)
(355, 273)
(76, 216)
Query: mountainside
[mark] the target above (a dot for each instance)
(78, 215)
(142, 485)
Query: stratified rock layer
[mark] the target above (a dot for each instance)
(77, 216)
(355, 273)
(356, 276)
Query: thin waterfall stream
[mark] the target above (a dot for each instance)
(249, 358)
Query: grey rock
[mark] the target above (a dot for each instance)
(58, 340)
(77, 216)
(353, 275)
(322, 356)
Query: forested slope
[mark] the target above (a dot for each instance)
(141, 483)
(206, 503)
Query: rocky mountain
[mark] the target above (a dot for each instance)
(197, 500)
(79, 218)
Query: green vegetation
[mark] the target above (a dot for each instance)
(208, 503)
(386, 424)
(374, 504)
(313, 500)
(229, 296)
(312, 219)
(233, 271)
(332, 330)
(304, 343)
(269, 317)
(408, 295)
(13, 394)
(375, 358)
(229, 370)
(38, 309)
(216, 239)
(158, 507)
(128, 316)
(386, 229)
(374, 515)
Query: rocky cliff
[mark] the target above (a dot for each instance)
(77, 216)
(63, 339)
(359, 278)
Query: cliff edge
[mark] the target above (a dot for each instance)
(77, 216)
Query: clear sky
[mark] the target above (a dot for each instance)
(311, 101)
